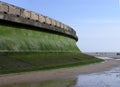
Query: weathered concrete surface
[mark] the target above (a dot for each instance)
(16, 14)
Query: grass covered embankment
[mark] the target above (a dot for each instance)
(26, 48)
(22, 62)
(31, 39)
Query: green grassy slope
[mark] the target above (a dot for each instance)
(22, 39)
(20, 62)
(30, 50)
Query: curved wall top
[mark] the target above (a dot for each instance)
(16, 14)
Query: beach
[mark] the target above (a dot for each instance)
(38, 76)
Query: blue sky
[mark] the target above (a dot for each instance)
(97, 22)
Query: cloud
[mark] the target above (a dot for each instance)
(106, 21)
(119, 3)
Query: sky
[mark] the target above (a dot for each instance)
(96, 22)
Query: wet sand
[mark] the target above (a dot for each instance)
(38, 76)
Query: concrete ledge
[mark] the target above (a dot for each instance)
(40, 25)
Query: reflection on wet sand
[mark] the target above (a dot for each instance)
(108, 78)
(52, 83)
(103, 79)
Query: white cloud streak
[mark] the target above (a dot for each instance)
(100, 21)
(119, 3)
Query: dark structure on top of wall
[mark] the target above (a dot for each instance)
(19, 15)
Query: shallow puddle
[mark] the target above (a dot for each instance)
(103, 79)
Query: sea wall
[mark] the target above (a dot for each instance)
(16, 14)
(23, 39)
(21, 30)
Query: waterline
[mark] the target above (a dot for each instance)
(102, 79)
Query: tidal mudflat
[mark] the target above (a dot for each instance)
(105, 74)
(110, 78)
